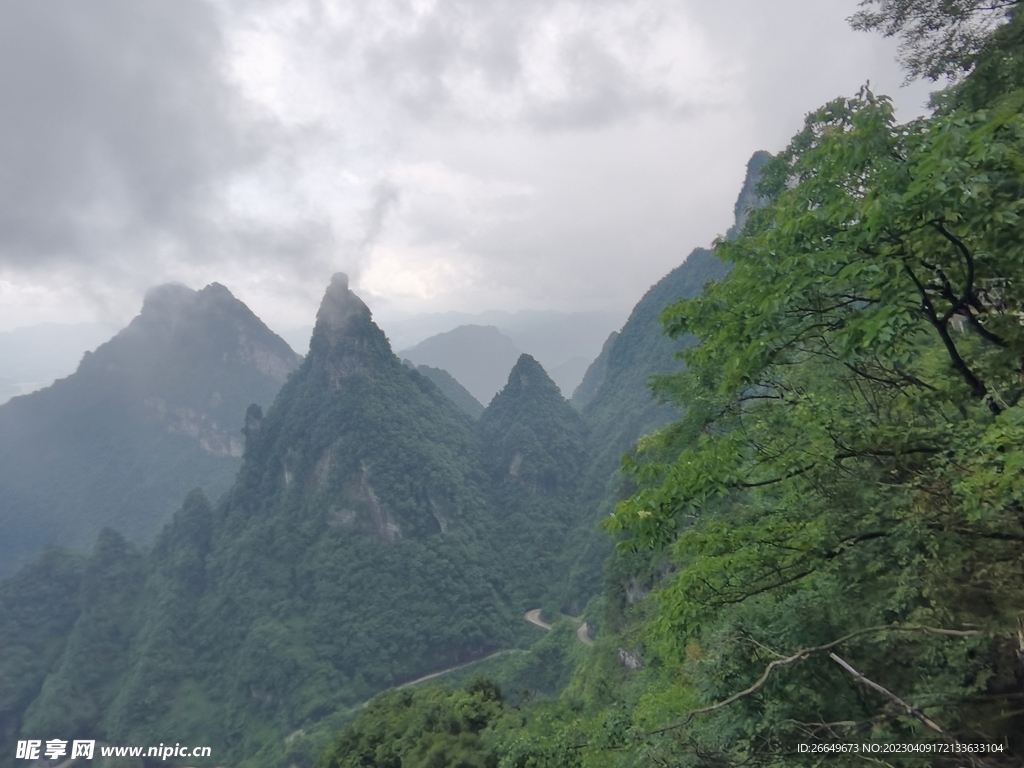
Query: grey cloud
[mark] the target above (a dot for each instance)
(536, 152)
(422, 62)
(602, 92)
(386, 196)
(116, 123)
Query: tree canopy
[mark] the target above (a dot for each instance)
(938, 38)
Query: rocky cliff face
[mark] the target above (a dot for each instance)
(149, 415)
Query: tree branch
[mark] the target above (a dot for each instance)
(805, 653)
(978, 388)
(909, 709)
(963, 304)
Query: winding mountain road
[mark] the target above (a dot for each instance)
(582, 634)
(582, 631)
(534, 618)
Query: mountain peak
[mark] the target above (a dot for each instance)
(530, 433)
(170, 302)
(345, 336)
(167, 298)
(527, 373)
(216, 291)
(340, 308)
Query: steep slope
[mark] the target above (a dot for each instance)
(149, 415)
(534, 448)
(351, 554)
(621, 408)
(454, 391)
(478, 356)
(614, 398)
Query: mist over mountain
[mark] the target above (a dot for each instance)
(152, 413)
(34, 356)
(775, 511)
(561, 340)
(478, 356)
(375, 532)
(549, 335)
(565, 343)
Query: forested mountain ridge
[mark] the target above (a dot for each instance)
(149, 415)
(621, 408)
(373, 533)
(824, 546)
(533, 448)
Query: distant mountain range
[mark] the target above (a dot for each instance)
(455, 392)
(480, 355)
(549, 336)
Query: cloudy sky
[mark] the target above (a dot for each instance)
(447, 154)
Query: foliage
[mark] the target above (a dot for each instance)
(938, 38)
(827, 544)
(360, 548)
(457, 393)
(38, 607)
(422, 728)
(847, 466)
(616, 402)
(86, 676)
(533, 447)
(618, 408)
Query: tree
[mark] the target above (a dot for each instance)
(938, 38)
